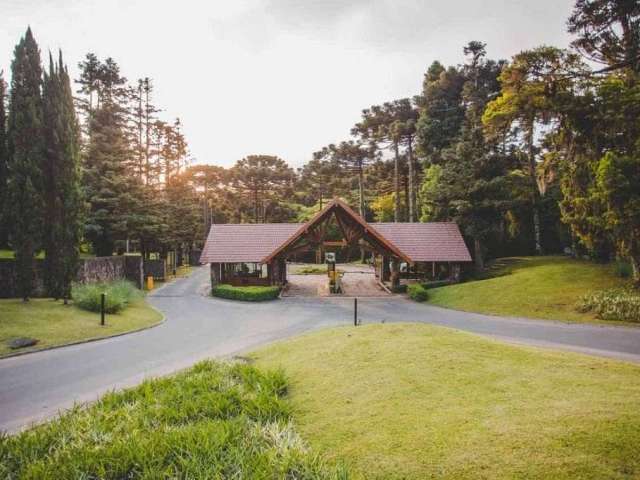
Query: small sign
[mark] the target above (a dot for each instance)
(330, 257)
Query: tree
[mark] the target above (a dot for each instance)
(25, 159)
(264, 180)
(532, 86)
(608, 32)
(111, 193)
(387, 126)
(352, 157)
(470, 184)
(617, 188)
(61, 169)
(4, 224)
(441, 111)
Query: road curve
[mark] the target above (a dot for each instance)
(34, 387)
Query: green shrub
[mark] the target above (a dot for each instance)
(246, 294)
(417, 292)
(119, 294)
(214, 420)
(613, 304)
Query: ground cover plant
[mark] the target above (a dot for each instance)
(246, 294)
(535, 287)
(119, 294)
(52, 323)
(212, 421)
(414, 401)
(613, 304)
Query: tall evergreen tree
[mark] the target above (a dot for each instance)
(4, 225)
(62, 219)
(25, 159)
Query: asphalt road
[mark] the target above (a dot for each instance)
(34, 387)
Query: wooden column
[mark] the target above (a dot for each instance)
(395, 274)
(215, 274)
(386, 272)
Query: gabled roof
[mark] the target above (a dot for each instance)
(427, 242)
(259, 243)
(244, 242)
(338, 207)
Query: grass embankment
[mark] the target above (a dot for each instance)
(419, 401)
(53, 323)
(245, 294)
(534, 287)
(212, 421)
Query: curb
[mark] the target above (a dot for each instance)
(92, 339)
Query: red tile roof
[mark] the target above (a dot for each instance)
(427, 242)
(245, 242)
(422, 242)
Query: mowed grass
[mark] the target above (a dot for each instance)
(53, 323)
(408, 401)
(214, 421)
(534, 287)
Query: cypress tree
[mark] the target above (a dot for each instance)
(4, 225)
(62, 225)
(25, 159)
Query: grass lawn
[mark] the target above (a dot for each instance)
(534, 287)
(53, 323)
(214, 421)
(417, 401)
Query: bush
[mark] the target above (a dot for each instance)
(417, 292)
(246, 294)
(212, 421)
(612, 304)
(119, 295)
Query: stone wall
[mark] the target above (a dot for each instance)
(99, 269)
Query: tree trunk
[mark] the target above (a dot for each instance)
(396, 183)
(477, 254)
(412, 186)
(635, 269)
(361, 188)
(537, 233)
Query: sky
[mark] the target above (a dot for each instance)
(277, 77)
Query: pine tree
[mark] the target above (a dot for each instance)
(4, 225)
(62, 219)
(25, 159)
(107, 186)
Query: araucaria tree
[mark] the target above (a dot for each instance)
(24, 199)
(61, 169)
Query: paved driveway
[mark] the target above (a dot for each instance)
(36, 386)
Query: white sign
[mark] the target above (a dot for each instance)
(330, 257)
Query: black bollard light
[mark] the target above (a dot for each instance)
(102, 299)
(355, 312)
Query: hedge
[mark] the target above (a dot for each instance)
(417, 292)
(246, 294)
